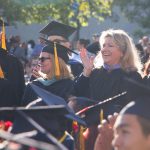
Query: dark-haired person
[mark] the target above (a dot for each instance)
(132, 127)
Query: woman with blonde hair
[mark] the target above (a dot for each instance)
(105, 76)
(55, 74)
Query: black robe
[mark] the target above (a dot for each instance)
(62, 88)
(103, 84)
(12, 86)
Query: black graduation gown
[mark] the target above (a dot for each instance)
(103, 84)
(12, 86)
(62, 88)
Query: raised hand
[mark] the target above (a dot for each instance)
(105, 136)
(87, 62)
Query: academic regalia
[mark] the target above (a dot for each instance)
(37, 122)
(13, 83)
(57, 28)
(62, 88)
(103, 84)
(53, 120)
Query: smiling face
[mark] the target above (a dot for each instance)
(128, 134)
(111, 53)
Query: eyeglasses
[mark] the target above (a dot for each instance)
(42, 59)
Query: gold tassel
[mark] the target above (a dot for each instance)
(81, 139)
(61, 140)
(3, 38)
(101, 116)
(57, 69)
(1, 73)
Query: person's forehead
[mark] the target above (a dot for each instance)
(126, 120)
(45, 54)
(108, 39)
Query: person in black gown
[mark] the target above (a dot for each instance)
(55, 32)
(59, 84)
(12, 84)
(105, 76)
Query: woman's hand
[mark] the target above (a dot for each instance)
(35, 72)
(87, 62)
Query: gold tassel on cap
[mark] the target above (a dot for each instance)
(1, 73)
(3, 38)
(57, 69)
(101, 116)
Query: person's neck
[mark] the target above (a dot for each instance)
(111, 67)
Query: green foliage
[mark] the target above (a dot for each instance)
(74, 12)
(136, 11)
(10, 10)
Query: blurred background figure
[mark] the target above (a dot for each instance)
(75, 60)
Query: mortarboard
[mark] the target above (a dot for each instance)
(93, 48)
(91, 114)
(139, 108)
(27, 118)
(57, 50)
(62, 51)
(78, 103)
(51, 99)
(29, 142)
(57, 28)
(140, 105)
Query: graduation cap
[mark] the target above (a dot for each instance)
(50, 99)
(78, 103)
(57, 28)
(141, 87)
(93, 48)
(27, 118)
(58, 51)
(139, 108)
(140, 105)
(91, 114)
(62, 51)
(29, 142)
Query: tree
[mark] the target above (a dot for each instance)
(136, 11)
(73, 12)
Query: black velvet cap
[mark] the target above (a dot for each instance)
(50, 99)
(47, 120)
(91, 114)
(139, 108)
(93, 48)
(140, 105)
(62, 51)
(57, 28)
